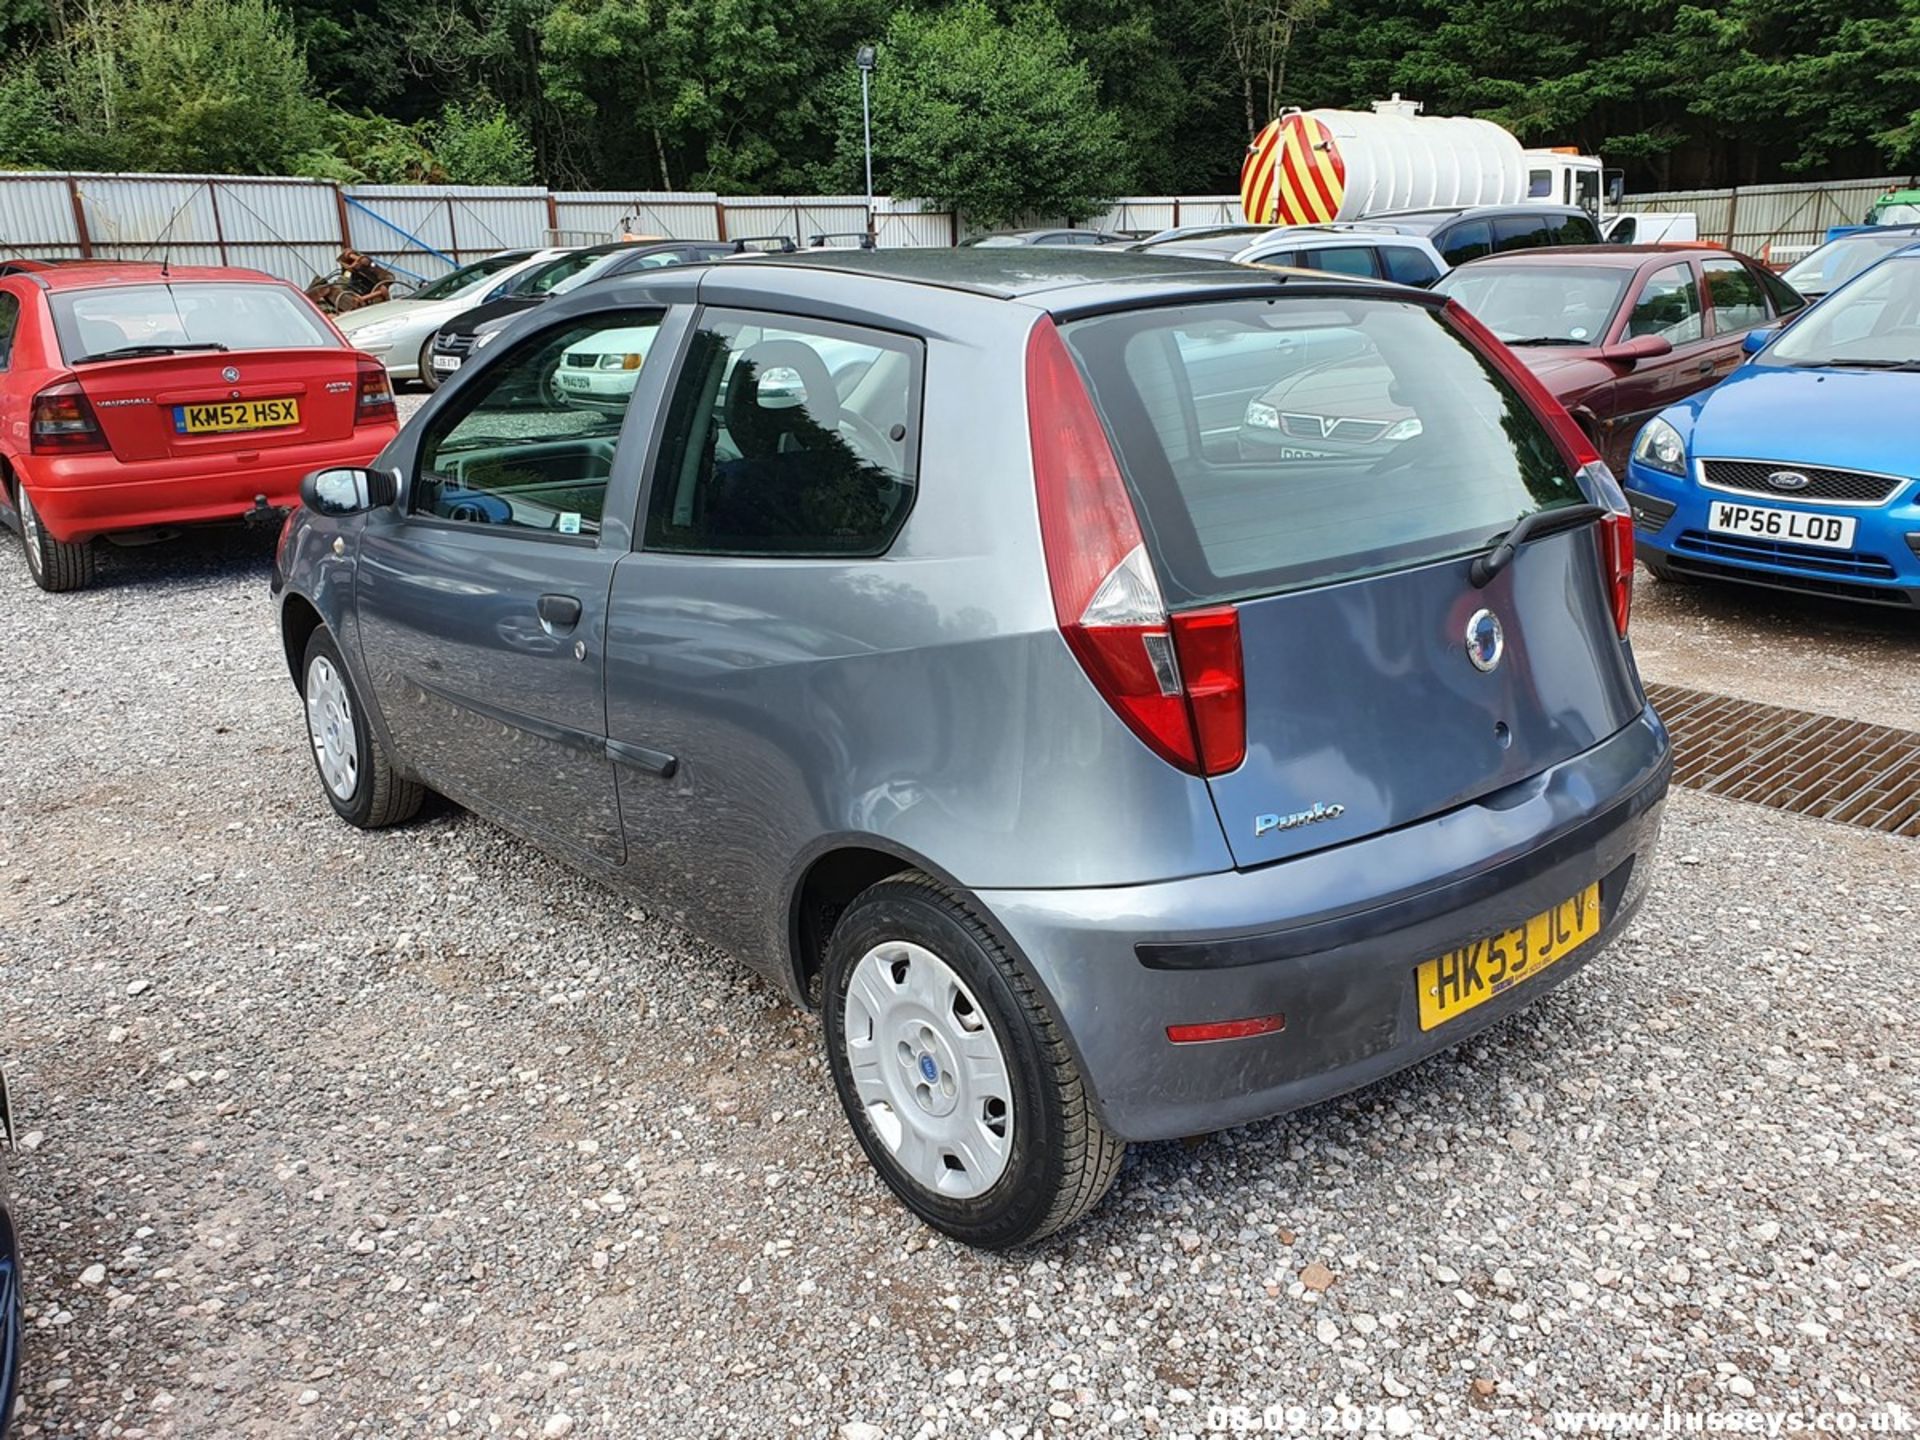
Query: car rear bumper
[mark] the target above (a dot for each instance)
(1330, 940)
(81, 496)
(1670, 522)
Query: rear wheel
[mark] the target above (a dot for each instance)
(54, 564)
(356, 773)
(956, 1078)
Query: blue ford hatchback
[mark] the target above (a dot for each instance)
(1800, 470)
(920, 631)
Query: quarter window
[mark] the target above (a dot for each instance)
(788, 437)
(532, 449)
(1407, 265)
(1669, 306)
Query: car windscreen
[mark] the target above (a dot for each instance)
(1540, 304)
(1276, 445)
(466, 277)
(1873, 324)
(204, 314)
(1838, 261)
(546, 279)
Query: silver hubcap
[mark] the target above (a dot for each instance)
(330, 724)
(929, 1070)
(29, 525)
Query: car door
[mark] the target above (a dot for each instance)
(771, 498)
(482, 596)
(1736, 303)
(1663, 301)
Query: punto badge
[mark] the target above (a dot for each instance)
(1486, 640)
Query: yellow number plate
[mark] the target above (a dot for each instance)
(235, 415)
(1453, 983)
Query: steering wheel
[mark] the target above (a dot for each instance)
(869, 440)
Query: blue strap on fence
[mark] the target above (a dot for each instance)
(407, 234)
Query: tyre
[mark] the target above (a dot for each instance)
(1658, 567)
(955, 1077)
(429, 377)
(356, 773)
(54, 564)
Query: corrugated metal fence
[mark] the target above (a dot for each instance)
(1776, 220)
(295, 228)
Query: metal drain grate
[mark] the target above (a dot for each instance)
(1844, 770)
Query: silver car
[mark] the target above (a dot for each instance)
(1095, 780)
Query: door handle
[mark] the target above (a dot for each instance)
(558, 612)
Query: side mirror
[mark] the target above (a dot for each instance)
(348, 491)
(1616, 187)
(1640, 347)
(1754, 341)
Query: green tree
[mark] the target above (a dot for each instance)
(481, 144)
(997, 120)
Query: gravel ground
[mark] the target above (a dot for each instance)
(410, 1134)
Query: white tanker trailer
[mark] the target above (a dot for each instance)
(1312, 167)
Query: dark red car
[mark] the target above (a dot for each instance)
(139, 397)
(1620, 332)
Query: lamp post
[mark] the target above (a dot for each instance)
(864, 57)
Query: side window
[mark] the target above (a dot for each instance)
(1408, 265)
(1344, 260)
(788, 437)
(1540, 184)
(1466, 241)
(1738, 301)
(9, 324)
(532, 449)
(1278, 257)
(1669, 306)
(1520, 232)
(1623, 232)
(1574, 230)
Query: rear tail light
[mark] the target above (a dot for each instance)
(63, 421)
(374, 396)
(1105, 596)
(1590, 471)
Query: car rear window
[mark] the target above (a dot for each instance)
(237, 316)
(1276, 445)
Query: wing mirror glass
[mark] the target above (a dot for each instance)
(347, 490)
(1754, 341)
(1640, 347)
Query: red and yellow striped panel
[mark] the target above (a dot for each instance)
(1293, 174)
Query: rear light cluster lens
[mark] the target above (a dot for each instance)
(1177, 681)
(374, 404)
(63, 421)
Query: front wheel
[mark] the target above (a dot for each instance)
(955, 1076)
(356, 773)
(429, 377)
(1658, 567)
(54, 564)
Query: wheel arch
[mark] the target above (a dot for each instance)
(299, 619)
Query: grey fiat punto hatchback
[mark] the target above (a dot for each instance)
(916, 626)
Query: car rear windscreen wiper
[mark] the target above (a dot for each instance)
(127, 352)
(1540, 522)
(1545, 340)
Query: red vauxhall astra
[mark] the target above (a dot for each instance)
(139, 398)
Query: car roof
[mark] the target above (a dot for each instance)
(1434, 216)
(1050, 279)
(94, 273)
(1618, 257)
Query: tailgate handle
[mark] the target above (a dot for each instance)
(558, 612)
